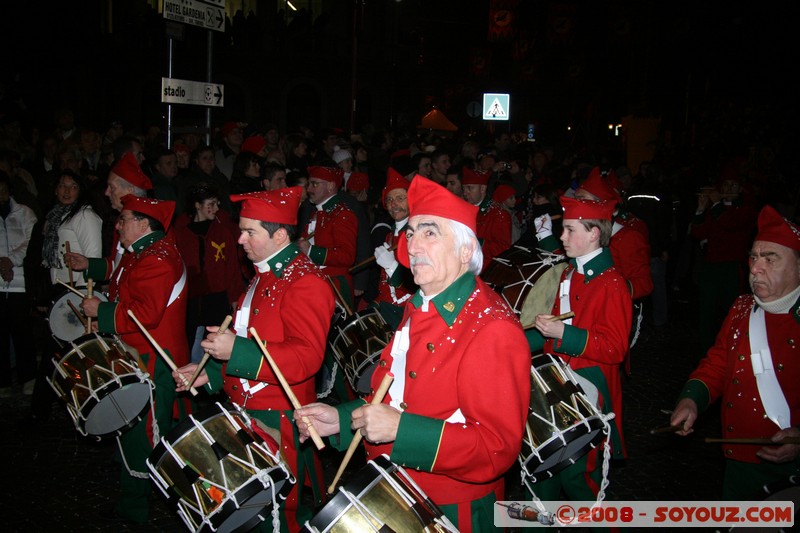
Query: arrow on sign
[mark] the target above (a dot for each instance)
(218, 94)
(220, 19)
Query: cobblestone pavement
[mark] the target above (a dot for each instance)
(58, 480)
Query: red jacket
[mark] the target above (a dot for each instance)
(493, 229)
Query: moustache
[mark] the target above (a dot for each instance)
(415, 261)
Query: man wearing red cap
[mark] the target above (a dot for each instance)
(277, 305)
(396, 283)
(150, 281)
(455, 411)
(494, 223)
(595, 341)
(753, 367)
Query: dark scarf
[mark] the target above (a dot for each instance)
(50, 255)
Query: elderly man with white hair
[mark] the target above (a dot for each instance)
(455, 412)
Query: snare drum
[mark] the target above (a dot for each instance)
(527, 280)
(381, 497)
(105, 390)
(357, 343)
(563, 425)
(222, 475)
(64, 324)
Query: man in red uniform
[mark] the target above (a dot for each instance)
(149, 280)
(595, 341)
(290, 304)
(456, 431)
(329, 239)
(396, 283)
(753, 367)
(494, 222)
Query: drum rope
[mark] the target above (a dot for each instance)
(132, 473)
(330, 383)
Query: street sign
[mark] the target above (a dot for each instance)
(208, 14)
(474, 109)
(495, 106)
(192, 92)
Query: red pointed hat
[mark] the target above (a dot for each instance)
(160, 210)
(578, 209)
(254, 144)
(394, 180)
(128, 169)
(333, 175)
(474, 177)
(278, 206)
(426, 197)
(773, 227)
(503, 192)
(598, 186)
(359, 181)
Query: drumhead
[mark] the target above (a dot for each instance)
(542, 295)
(64, 325)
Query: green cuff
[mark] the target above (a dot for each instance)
(106, 323)
(318, 254)
(246, 359)
(698, 391)
(535, 339)
(346, 434)
(549, 244)
(213, 370)
(573, 342)
(418, 440)
(396, 279)
(97, 270)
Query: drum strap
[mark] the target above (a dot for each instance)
(615, 228)
(176, 290)
(563, 296)
(241, 326)
(761, 358)
(400, 345)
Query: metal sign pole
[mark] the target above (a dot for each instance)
(209, 57)
(169, 106)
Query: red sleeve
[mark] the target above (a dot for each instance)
(631, 254)
(149, 288)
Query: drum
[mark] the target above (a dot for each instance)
(221, 473)
(563, 424)
(100, 380)
(64, 324)
(527, 280)
(381, 497)
(357, 343)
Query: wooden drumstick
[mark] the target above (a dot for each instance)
(165, 355)
(666, 429)
(368, 260)
(206, 355)
(77, 312)
(758, 442)
(378, 398)
(69, 264)
(89, 294)
(347, 309)
(287, 389)
(562, 316)
(71, 288)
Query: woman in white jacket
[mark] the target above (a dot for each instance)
(71, 220)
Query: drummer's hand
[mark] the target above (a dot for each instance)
(781, 453)
(304, 245)
(76, 261)
(95, 327)
(218, 344)
(185, 373)
(323, 417)
(378, 423)
(89, 306)
(684, 413)
(549, 328)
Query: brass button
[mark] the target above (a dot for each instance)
(383, 362)
(430, 347)
(790, 342)
(735, 381)
(412, 374)
(403, 406)
(729, 405)
(235, 387)
(741, 357)
(728, 452)
(730, 428)
(780, 367)
(255, 311)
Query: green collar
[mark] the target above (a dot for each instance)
(146, 241)
(596, 266)
(332, 202)
(485, 204)
(450, 301)
(282, 259)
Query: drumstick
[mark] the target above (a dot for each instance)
(563, 316)
(71, 288)
(666, 429)
(368, 260)
(206, 355)
(287, 389)
(760, 442)
(339, 295)
(77, 312)
(165, 355)
(89, 291)
(378, 398)
(69, 264)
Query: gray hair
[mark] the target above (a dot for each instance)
(136, 191)
(464, 236)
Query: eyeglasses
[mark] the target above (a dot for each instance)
(122, 220)
(395, 199)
